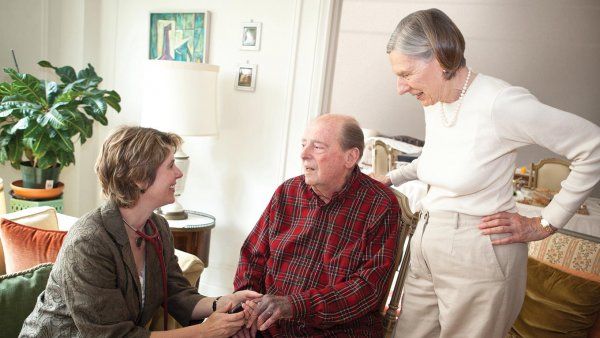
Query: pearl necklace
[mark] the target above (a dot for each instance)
(450, 123)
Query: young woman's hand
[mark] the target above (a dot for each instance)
(238, 297)
(223, 324)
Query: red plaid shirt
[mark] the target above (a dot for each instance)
(331, 260)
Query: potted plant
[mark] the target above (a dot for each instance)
(41, 120)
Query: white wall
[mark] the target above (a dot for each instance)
(551, 47)
(231, 176)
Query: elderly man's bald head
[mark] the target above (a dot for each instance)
(347, 129)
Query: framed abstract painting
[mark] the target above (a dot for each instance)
(179, 36)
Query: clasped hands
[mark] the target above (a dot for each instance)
(264, 312)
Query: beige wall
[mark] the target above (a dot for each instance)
(231, 176)
(551, 47)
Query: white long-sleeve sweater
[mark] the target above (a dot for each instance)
(470, 165)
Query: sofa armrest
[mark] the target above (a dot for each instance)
(190, 265)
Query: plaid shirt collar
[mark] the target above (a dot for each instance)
(348, 189)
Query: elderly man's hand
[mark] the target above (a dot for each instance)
(521, 229)
(268, 310)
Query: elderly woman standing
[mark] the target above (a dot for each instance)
(117, 264)
(469, 253)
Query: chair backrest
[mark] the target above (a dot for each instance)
(381, 158)
(408, 222)
(549, 173)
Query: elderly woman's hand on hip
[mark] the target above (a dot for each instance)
(521, 229)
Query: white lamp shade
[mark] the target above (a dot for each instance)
(180, 97)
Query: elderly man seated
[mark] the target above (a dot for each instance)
(323, 250)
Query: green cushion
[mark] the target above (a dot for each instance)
(557, 304)
(18, 295)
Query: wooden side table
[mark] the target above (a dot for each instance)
(192, 235)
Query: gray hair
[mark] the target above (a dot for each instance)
(430, 33)
(351, 136)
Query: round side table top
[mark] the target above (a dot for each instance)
(196, 220)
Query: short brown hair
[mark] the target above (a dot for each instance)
(130, 157)
(429, 33)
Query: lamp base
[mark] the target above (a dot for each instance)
(173, 211)
(173, 215)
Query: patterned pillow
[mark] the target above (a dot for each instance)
(576, 256)
(26, 247)
(18, 294)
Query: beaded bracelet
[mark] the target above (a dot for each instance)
(215, 303)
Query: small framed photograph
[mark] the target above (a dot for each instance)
(246, 77)
(251, 35)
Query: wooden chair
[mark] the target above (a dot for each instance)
(549, 173)
(382, 158)
(408, 222)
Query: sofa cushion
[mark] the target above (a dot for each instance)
(18, 295)
(26, 247)
(557, 303)
(39, 217)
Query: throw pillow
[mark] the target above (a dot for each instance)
(26, 247)
(18, 295)
(39, 217)
(557, 304)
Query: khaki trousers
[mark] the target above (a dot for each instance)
(458, 283)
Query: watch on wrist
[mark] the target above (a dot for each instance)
(547, 226)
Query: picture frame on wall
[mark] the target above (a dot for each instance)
(245, 78)
(251, 33)
(179, 36)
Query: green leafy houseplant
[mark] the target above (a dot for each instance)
(40, 120)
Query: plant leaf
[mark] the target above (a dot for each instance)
(64, 141)
(15, 152)
(65, 158)
(96, 108)
(51, 91)
(20, 125)
(113, 99)
(27, 85)
(54, 118)
(46, 64)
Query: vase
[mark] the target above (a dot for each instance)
(36, 178)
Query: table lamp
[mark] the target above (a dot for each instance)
(180, 97)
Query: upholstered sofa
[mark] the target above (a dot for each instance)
(29, 242)
(563, 288)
